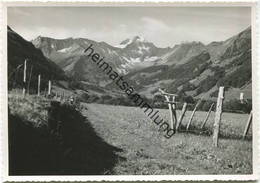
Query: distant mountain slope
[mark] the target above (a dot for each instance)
(183, 52)
(19, 50)
(225, 63)
(69, 54)
(190, 68)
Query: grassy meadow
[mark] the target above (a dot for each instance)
(143, 149)
(149, 152)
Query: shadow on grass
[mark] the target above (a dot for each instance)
(68, 145)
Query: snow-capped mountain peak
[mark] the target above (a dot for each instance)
(128, 41)
(124, 43)
(139, 39)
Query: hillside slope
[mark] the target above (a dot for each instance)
(54, 139)
(18, 50)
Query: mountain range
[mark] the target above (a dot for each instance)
(190, 68)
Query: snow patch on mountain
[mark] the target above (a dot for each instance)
(122, 70)
(134, 60)
(142, 48)
(151, 59)
(64, 50)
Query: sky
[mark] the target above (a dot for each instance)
(164, 26)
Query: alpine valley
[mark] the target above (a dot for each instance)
(188, 69)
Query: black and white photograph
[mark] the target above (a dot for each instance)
(130, 90)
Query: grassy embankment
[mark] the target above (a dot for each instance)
(51, 139)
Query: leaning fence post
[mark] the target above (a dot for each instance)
(184, 108)
(249, 121)
(207, 117)
(171, 112)
(218, 116)
(171, 106)
(192, 114)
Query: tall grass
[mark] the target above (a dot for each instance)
(31, 108)
(50, 138)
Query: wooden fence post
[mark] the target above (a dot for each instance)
(171, 112)
(24, 77)
(248, 123)
(171, 106)
(39, 85)
(241, 97)
(192, 114)
(207, 117)
(49, 87)
(184, 108)
(218, 116)
(174, 112)
(29, 82)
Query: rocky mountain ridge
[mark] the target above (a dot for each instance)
(189, 68)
